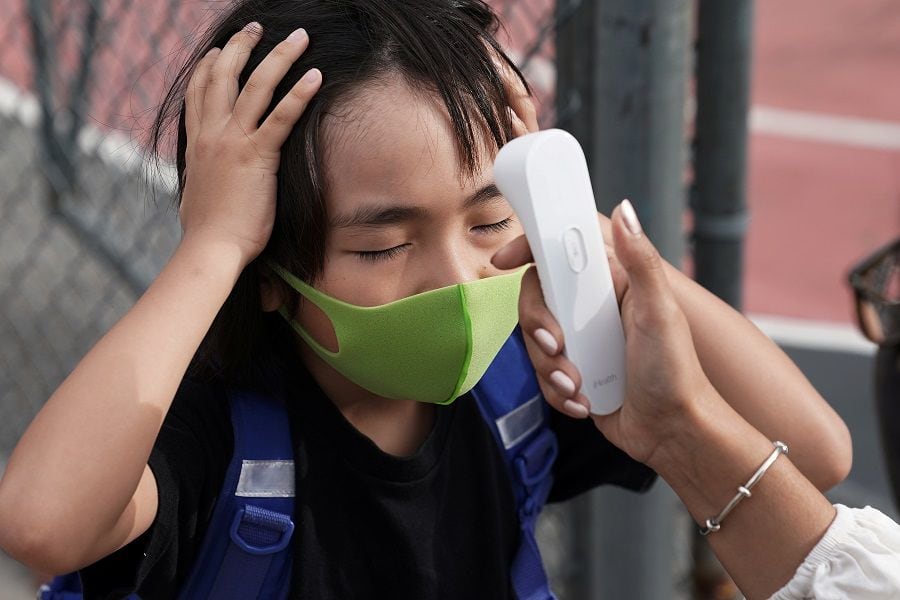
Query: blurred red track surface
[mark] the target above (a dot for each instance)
(821, 196)
(818, 203)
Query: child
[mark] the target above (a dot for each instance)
(350, 160)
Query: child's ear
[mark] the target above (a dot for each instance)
(270, 294)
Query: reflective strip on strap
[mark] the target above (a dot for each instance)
(266, 479)
(518, 423)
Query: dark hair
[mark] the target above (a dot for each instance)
(443, 47)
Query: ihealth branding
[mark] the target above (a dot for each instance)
(605, 381)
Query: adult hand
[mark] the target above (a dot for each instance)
(231, 158)
(664, 378)
(665, 381)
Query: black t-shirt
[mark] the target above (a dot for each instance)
(438, 524)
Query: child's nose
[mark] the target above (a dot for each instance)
(452, 265)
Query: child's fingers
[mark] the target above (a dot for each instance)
(518, 126)
(257, 92)
(223, 77)
(524, 107)
(277, 126)
(519, 98)
(195, 93)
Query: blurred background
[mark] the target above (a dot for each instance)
(759, 141)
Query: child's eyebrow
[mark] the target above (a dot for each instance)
(486, 194)
(375, 215)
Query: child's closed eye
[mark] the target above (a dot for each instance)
(393, 252)
(494, 227)
(386, 254)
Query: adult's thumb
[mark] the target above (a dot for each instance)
(637, 254)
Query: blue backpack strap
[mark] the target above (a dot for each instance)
(68, 587)
(510, 401)
(246, 552)
(62, 587)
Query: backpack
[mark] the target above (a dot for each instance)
(246, 552)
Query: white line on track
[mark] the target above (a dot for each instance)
(828, 128)
(814, 335)
(114, 148)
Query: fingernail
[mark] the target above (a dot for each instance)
(563, 383)
(631, 218)
(546, 340)
(298, 35)
(573, 409)
(253, 27)
(312, 76)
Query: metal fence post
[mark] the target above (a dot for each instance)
(60, 146)
(621, 87)
(621, 81)
(718, 196)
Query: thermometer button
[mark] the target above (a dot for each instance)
(576, 254)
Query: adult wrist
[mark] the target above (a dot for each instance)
(710, 452)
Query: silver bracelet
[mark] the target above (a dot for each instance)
(713, 524)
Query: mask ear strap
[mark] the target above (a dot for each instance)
(314, 296)
(303, 288)
(326, 303)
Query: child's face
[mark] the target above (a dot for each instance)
(402, 218)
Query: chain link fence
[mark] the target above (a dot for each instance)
(83, 228)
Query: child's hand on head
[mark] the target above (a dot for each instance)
(232, 159)
(521, 104)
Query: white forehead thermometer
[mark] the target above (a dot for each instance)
(544, 176)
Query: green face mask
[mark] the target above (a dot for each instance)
(430, 347)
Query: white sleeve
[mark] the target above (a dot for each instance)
(858, 558)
